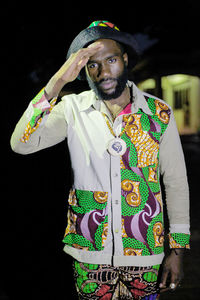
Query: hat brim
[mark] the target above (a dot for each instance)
(89, 35)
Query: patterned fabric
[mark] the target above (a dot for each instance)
(179, 240)
(142, 215)
(103, 24)
(142, 228)
(104, 282)
(87, 220)
(41, 107)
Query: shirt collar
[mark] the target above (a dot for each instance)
(138, 101)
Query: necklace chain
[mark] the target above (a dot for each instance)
(114, 115)
(127, 124)
(110, 128)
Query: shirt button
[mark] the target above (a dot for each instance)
(116, 230)
(116, 201)
(115, 175)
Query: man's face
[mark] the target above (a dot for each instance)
(107, 71)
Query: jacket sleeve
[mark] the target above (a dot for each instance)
(42, 125)
(173, 169)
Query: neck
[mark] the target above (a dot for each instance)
(115, 106)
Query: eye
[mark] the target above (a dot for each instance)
(92, 65)
(112, 60)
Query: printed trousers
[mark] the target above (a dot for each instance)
(105, 282)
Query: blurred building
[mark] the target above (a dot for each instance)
(182, 93)
(172, 72)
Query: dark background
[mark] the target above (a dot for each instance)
(34, 188)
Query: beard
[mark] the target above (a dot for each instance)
(121, 81)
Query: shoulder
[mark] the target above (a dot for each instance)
(157, 101)
(151, 100)
(160, 109)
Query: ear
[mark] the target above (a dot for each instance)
(125, 57)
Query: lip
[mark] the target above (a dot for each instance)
(107, 84)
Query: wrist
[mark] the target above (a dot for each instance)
(178, 251)
(53, 87)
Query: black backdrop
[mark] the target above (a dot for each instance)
(34, 188)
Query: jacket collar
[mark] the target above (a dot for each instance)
(137, 102)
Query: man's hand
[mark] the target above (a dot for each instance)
(70, 69)
(172, 270)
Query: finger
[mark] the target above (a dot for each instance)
(174, 282)
(96, 45)
(164, 277)
(86, 53)
(163, 290)
(94, 48)
(176, 277)
(172, 287)
(78, 59)
(83, 62)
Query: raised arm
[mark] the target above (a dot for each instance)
(44, 124)
(70, 69)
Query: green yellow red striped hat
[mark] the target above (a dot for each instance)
(103, 24)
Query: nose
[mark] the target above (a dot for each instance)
(103, 71)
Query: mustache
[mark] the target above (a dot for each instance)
(105, 79)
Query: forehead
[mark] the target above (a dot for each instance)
(111, 47)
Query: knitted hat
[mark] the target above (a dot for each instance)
(105, 30)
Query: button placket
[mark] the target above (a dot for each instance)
(116, 204)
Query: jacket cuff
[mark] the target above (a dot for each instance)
(179, 240)
(40, 105)
(39, 108)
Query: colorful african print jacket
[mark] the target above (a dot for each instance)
(115, 207)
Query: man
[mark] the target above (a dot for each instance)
(120, 141)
